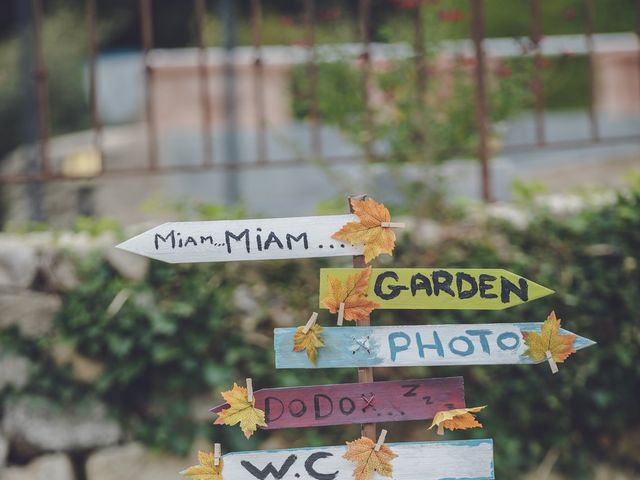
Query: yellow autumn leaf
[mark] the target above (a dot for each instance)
(207, 470)
(549, 340)
(368, 231)
(310, 341)
(352, 293)
(241, 411)
(362, 452)
(457, 419)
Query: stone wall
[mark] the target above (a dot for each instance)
(39, 440)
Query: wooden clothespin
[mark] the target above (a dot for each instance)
(392, 225)
(216, 454)
(552, 362)
(310, 323)
(440, 429)
(383, 435)
(341, 314)
(250, 389)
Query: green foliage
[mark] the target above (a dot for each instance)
(338, 93)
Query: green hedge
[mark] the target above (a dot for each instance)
(180, 336)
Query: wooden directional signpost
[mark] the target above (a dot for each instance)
(442, 288)
(392, 401)
(470, 459)
(353, 293)
(409, 346)
(224, 241)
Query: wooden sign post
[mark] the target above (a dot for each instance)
(351, 293)
(349, 403)
(365, 374)
(416, 345)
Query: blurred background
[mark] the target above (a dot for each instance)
(505, 133)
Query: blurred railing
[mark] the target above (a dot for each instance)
(262, 157)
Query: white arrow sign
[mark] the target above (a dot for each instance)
(403, 346)
(227, 240)
(470, 459)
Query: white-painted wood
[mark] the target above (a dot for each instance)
(415, 345)
(254, 239)
(455, 460)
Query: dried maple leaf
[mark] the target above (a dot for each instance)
(549, 340)
(368, 231)
(352, 293)
(458, 419)
(363, 453)
(241, 411)
(310, 341)
(207, 470)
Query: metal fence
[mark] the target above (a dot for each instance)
(44, 171)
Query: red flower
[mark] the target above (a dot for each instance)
(407, 4)
(331, 14)
(543, 62)
(287, 20)
(468, 61)
(452, 16)
(503, 71)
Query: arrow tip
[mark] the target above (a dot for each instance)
(582, 342)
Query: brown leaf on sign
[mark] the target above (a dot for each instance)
(310, 341)
(207, 470)
(352, 293)
(369, 462)
(368, 231)
(241, 411)
(458, 419)
(549, 340)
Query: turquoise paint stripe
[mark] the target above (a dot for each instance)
(452, 443)
(335, 354)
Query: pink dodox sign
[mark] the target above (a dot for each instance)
(351, 403)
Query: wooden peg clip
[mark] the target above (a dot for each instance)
(341, 314)
(440, 430)
(393, 225)
(250, 389)
(310, 323)
(383, 435)
(216, 454)
(552, 362)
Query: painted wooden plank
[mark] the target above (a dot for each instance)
(350, 403)
(427, 345)
(442, 288)
(255, 239)
(453, 460)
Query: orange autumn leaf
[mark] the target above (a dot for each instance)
(369, 462)
(310, 341)
(207, 470)
(368, 231)
(458, 419)
(352, 293)
(549, 340)
(241, 411)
